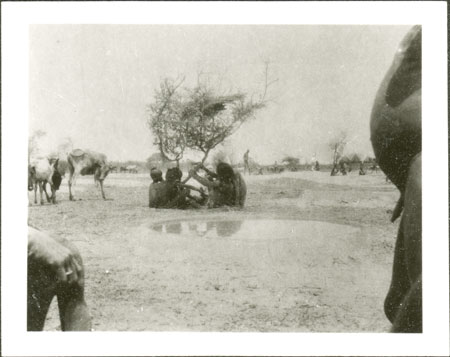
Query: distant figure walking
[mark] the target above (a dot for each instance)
(343, 168)
(313, 163)
(317, 167)
(246, 164)
(361, 169)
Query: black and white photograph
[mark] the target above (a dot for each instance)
(226, 177)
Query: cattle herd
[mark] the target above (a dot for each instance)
(55, 267)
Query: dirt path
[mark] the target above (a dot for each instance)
(309, 252)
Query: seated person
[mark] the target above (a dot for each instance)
(180, 194)
(157, 194)
(156, 175)
(343, 168)
(55, 268)
(226, 187)
(176, 194)
(172, 193)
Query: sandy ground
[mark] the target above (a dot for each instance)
(309, 252)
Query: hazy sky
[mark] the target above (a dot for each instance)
(92, 82)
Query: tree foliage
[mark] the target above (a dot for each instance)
(337, 146)
(165, 122)
(355, 159)
(291, 161)
(156, 160)
(209, 118)
(33, 143)
(65, 146)
(198, 118)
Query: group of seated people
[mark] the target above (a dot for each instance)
(225, 187)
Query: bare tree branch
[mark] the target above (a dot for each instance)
(199, 118)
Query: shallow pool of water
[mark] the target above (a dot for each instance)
(253, 229)
(273, 262)
(278, 253)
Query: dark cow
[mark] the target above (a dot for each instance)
(396, 134)
(31, 177)
(55, 268)
(56, 179)
(87, 163)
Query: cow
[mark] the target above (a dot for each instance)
(55, 268)
(373, 168)
(40, 172)
(31, 177)
(396, 135)
(86, 162)
(57, 177)
(132, 169)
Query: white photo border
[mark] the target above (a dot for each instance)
(16, 18)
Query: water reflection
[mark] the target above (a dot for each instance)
(258, 230)
(227, 228)
(173, 228)
(209, 229)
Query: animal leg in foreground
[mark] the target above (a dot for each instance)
(396, 134)
(55, 268)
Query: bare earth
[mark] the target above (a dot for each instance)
(309, 252)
